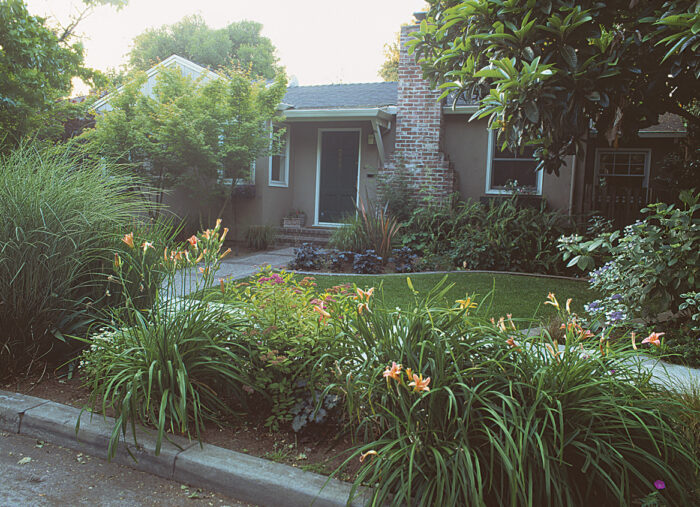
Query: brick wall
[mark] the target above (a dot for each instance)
(419, 124)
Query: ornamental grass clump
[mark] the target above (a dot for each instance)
(452, 409)
(60, 218)
(176, 365)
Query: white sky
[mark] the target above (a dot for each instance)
(318, 41)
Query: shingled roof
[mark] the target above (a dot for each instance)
(341, 96)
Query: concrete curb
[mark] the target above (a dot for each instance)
(455, 271)
(237, 475)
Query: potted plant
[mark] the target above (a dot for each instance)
(295, 219)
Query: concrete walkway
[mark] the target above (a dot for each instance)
(235, 268)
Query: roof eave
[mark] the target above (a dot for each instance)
(470, 109)
(360, 113)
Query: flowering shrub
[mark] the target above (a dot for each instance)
(455, 410)
(289, 327)
(176, 364)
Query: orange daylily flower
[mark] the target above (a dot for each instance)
(409, 373)
(568, 305)
(323, 314)
(129, 239)
(511, 341)
(653, 339)
(361, 307)
(419, 384)
(368, 453)
(556, 354)
(466, 304)
(223, 235)
(192, 240)
(392, 372)
(364, 295)
(146, 245)
(552, 300)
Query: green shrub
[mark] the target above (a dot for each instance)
(500, 236)
(372, 228)
(487, 416)
(351, 236)
(176, 365)
(651, 263)
(397, 195)
(260, 237)
(61, 215)
(287, 332)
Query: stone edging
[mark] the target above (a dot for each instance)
(536, 275)
(237, 475)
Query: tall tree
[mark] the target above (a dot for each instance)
(201, 136)
(239, 44)
(389, 71)
(543, 71)
(37, 64)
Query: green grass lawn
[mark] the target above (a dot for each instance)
(522, 296)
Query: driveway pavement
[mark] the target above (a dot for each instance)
(35, 473)
(234, 268)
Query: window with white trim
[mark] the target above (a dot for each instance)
(622, 168)
(246, 179)
(279, 162)
(508, 171)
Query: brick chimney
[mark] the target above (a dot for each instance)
(419, 125)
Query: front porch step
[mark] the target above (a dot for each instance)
(318, 236)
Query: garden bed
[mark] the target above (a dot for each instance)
(320, 451)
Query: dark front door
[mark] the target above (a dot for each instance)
(338, 175)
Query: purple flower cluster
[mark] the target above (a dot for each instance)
(592, 307)
(615, 316)
(596, 273)
(274, 279)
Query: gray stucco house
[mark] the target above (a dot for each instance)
(341, 138)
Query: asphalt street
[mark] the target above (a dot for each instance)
(34, 473)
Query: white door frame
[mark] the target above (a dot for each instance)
(318, 168)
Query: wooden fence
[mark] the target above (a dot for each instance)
(621, 204)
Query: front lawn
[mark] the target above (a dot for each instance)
(521, 296)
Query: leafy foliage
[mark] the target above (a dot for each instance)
(61, 215)
(307, 258)
(239, 44)
(397, 195)
(542, 71)
(371, 228)
(452, 409)
(404, 260)
(175, 366)
(650, 263)
(288, 330)
(201, 136)
(36, 69)
(389, 71)
(260, 237)
(501, 235)
(367, 263)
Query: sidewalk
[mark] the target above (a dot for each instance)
(235, 268)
